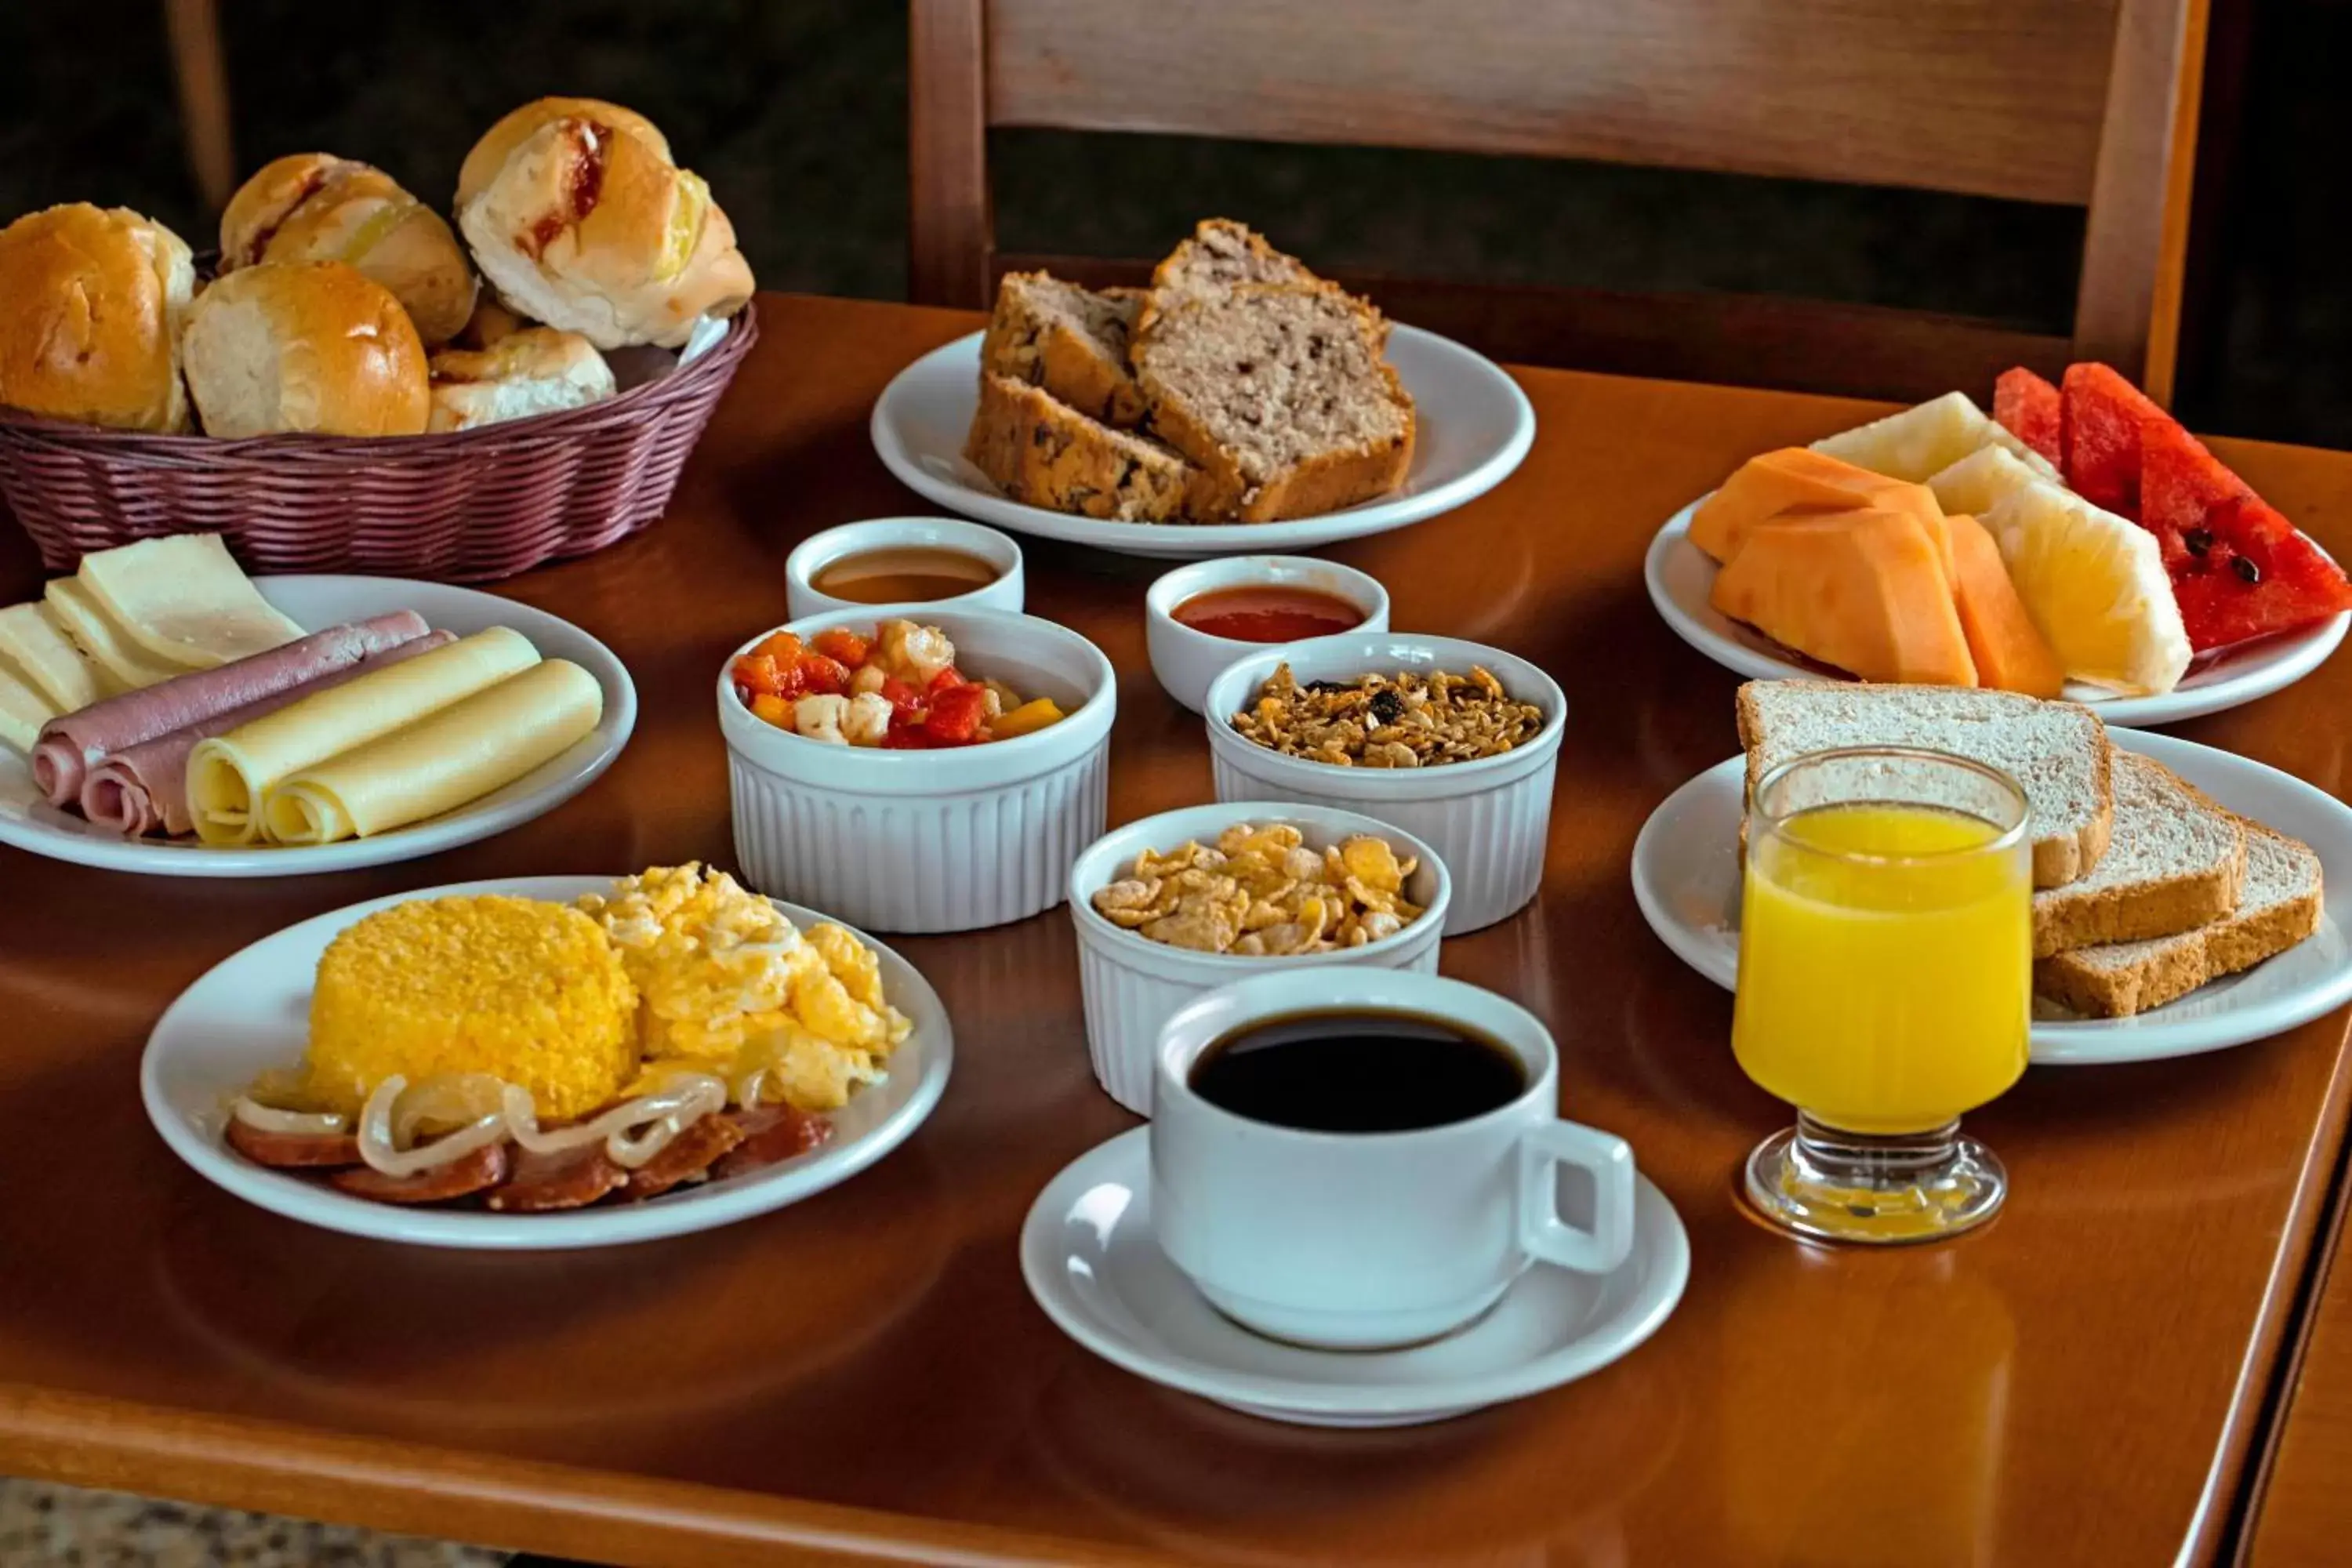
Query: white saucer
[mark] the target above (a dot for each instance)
(1090, 1255)
(1687, 879)
(1474, 426)
(251, 1012)
(315, 602)
(1680, 576)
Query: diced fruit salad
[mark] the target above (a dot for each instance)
(898, 689)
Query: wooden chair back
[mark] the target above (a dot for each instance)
(2071, 101)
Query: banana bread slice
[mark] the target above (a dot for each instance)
(1041, 451)
(1069, 340)
(1221, 256)
(1280, 396)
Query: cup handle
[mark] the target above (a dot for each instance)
(1609, 1159)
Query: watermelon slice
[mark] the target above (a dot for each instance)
(2099, 437)
(2244, 571)
(2180, 484)
(2028, 407)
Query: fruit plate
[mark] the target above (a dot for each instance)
(1686, 880)
(1680, 576)
(250, 1012)
(29, 822)
(1474, 426)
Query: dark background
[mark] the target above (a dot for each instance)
(795, 111)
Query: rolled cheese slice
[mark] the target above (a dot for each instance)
(229, 775)
(456, 755)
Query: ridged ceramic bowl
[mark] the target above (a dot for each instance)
(929, 841)
(1487, 818)
(1133, 983)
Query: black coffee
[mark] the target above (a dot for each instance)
(1358, 1070)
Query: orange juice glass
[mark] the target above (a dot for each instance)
(1885, 986)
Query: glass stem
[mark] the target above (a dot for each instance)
(1832, 1154)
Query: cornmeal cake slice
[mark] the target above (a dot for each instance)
(2057, 751)
(2176, 861)
(2280, 905)
(1069, 340)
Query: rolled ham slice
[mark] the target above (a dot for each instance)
(72, 744)
(144, 789)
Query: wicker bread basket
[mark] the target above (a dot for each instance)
(463, 508)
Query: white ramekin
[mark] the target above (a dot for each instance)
(1186, 660)
(1132, 985)
(1488, 818)
(819, 551)
(929, 841)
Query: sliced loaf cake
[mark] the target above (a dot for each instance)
(2057, 751)
(1221, 256)
(2176, 861)
(1069, 340)
(2280, 905)
(1042, 452)
(1280, 396)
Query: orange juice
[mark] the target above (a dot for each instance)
(1884, 995)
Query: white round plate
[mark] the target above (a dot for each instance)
(1092, 1262)
(1687, 879)
(29, 822)
(1680, 576)
(1475, 424)
(251, 1012)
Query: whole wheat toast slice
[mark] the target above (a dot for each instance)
(2281, 904)
(2177, 861)
(2057, 751)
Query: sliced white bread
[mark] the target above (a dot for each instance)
(2281, 906)
(2176, 861)
(2057, 751)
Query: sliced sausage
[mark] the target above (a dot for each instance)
(772, 1135)
(292, 1150)
(570, 1179)
(686, 1157)
(462, 1177)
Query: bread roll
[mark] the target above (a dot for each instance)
(489, 323)
(313, 208)
(91, 304)
(535, 371)
(489, 154)
(304, 345)
(591, 229)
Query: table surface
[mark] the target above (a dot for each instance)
(2084, 1382)
(2305, 1508)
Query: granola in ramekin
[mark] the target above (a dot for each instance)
(1260, 892)
(1405, 720)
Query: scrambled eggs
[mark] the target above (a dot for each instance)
(727, 984)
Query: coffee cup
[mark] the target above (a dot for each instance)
(1328, 1214)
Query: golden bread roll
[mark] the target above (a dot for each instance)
(593, 230)
(489, 323)
(312, 207)
(489, 154)
(91, 304)
(537, 370)
(304, 345)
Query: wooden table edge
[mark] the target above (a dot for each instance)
(492, 1500)
(2222, 1528)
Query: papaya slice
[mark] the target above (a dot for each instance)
(1865, 590)
(1795, 479)
(2009, 651)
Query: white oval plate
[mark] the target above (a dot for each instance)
(1475, 426)
(29, 822)
(1687, 879)
(1091, 1260)
(1680, 577)
(251, 1012)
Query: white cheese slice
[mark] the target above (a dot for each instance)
(184, 599)
(36, 650)
(100, 635)
(23, 712)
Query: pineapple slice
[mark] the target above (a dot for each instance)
(2095, 586)
(1981, 480)
(1923, 441)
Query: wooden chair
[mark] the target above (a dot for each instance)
(2043, 100)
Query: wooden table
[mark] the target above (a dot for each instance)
(2304, 1517)
(865, 1375)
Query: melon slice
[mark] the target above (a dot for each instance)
(2008, 651)
(1795, 479)
(1981, 480)
(1865, 590)
(2029, 408)
(2100, 432)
